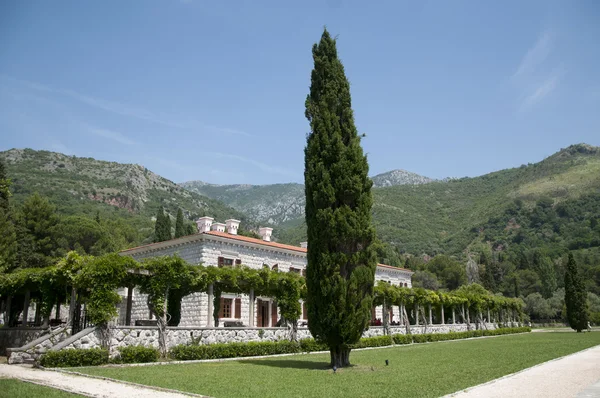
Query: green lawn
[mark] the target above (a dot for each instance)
(19, 389)
(424, 370)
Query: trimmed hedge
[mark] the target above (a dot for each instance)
(432, 337)
(74, 357)
(137, 354)
(377, 341)
(233, 350)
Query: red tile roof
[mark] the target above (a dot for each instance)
(392, 267)
(249, 240)
(256, 241)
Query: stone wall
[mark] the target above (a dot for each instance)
(33, 350)
(122, 336)
(18, 337)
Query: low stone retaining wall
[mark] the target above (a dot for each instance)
(147, 336)
(18, 337)
(32, 351)
(458, 327)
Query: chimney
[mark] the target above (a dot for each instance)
(218, 226)
(304, 245)
(232, 226)
(265, 233)
(204, 224)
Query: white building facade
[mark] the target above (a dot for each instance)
(219, 245)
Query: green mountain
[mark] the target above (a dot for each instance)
(421, 216)
(85, 186)
(524, 204)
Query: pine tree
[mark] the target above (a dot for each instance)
(179, 227)
(575, 297)
(36, 224)
(342, 257)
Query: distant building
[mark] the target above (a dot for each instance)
(219, 245)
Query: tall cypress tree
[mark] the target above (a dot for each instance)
(179, 227)
(167, 227)
(341, 255)
(575, 297)
(162, 227)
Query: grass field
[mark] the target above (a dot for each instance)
(19, 389)
(424, 370)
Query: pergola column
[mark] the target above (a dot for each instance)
(417, 314)
(270, 323)
(401, 313)
(26, 308)
(251, 308)
(7, 311)
(489, 320)
(453, 316)
(129, 305)
(443, 317)
(72, 306)
(430, 315)
(211, 298)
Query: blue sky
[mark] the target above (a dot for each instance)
(215, 90)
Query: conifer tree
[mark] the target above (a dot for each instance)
(341, 256)
(8, 237)
(575, 297)
(179, 227)
(4, 187)
(36, 223)
(162, 227)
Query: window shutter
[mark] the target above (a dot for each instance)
(220, 261)
(273, 314)
(372, 313)
(221, 305)
(391, 314)
(238, 262)
(304, 311)
(238, 308)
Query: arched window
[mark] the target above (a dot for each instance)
(275, 267)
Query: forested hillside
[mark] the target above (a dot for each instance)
(510, 230)
(125, 197)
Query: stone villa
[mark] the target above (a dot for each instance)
(219, 245)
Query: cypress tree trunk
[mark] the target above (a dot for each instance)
(341, 260)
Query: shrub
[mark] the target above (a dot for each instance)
(402, 339)
(137, 354)
(233, 350)
(74, 357)
(378, 341)
(310, 345)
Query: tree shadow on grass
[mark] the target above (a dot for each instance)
(287, 364)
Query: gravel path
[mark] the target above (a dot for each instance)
(576, 375)
(86, 386)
